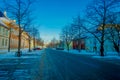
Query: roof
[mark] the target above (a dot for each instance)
(9, 23)
(2, 24)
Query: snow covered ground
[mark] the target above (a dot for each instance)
(12, 50)
(24, 54)
(108, 55)
(25, 67)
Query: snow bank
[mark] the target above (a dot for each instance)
(109, 55)
(95, 55)
(25, 54)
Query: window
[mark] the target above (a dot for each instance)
(2, 42)
(6, 41)
(3, 31)
(6, 32)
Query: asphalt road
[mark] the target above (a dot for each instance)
(58, 65)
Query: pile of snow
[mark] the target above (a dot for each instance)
(84, 52)
(3, 51)
(108, 55)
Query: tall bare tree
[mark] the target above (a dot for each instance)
(67, 35)
(78, 29)
(19, 9)
(98, 13)
(113, 29)
(29, 28)
(35, 35)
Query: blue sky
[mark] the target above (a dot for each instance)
(52, 15)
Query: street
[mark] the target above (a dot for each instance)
(58, 65)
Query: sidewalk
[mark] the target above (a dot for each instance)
(25, 67)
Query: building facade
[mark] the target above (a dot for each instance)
(4, 36)
(9, 32)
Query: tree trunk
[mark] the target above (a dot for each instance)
(19, 23)
(116, 48)
(68, 47)
(79, 45)
(34, 43)
(102, 49)
(19, 44)
(29, 44)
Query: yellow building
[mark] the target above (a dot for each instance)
(24, 40)
(4, 35)
(10, 30)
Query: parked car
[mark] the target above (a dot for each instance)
(37, 48)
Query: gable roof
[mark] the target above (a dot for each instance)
(2, 24)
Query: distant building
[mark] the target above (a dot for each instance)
(92, 45)
(89, 43)
(78, 43)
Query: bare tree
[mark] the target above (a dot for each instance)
(78, 29)
(41, 42)
(54, 43)
(19, 9)
(35, 35)
(98, 13)
(113, 29)
(67, 35)
(29, 38)
(29, 28)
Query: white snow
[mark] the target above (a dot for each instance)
(108, 55)
(24, 51)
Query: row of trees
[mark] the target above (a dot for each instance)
(22, 12)
(102, 20)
